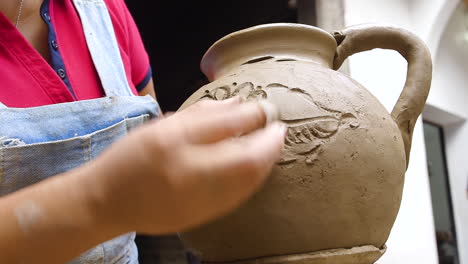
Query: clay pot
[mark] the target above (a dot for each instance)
(337, 189)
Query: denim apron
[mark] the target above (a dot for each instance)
(40, 142)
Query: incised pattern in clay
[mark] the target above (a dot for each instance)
(306, 136)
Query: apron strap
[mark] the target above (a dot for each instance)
(102, 44)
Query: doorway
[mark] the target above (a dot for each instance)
(440, 194)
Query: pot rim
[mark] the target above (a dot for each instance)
(279, 40)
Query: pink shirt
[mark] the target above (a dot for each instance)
(27, 80)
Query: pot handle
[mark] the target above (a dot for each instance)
(418, 81)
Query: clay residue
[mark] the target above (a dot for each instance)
(28, 215)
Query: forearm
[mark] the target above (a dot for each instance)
(167, 176)
(53, 221)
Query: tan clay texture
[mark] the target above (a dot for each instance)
(357, 255)
(340, 179)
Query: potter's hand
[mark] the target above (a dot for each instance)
(166, 176)
(188, 168)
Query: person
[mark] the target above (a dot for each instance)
(85, 154)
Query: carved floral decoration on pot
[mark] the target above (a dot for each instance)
(305, 136)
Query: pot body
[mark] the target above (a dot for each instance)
(340, 179)
(337, 189)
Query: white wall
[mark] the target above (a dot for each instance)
(383, 72)
(449, 89)
(441, 24)
(450, 92)
(429, 18)
(422, 14)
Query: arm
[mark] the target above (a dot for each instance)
(53, 221)
(134, 185)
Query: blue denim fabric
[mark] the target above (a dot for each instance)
(48, 140)
(69, 120)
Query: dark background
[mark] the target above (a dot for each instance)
(177, 34)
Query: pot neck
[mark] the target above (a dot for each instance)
(280, 42)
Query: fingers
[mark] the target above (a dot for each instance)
(250, 155)
(202, 108)
(225, 121)
(208, 106)
(232, 170)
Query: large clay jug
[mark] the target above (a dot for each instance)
(334, 195)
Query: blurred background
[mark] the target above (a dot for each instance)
(432, 225)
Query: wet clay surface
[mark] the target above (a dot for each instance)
(340, 179)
